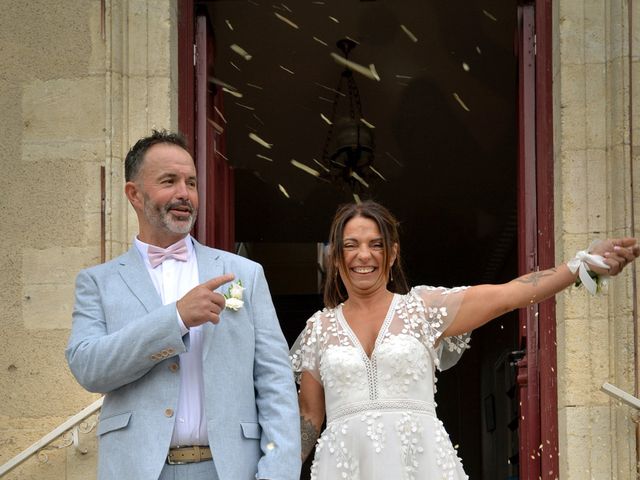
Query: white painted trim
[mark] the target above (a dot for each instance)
(621, 395)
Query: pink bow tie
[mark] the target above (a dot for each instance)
(177, 251)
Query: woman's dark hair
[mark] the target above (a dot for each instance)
(334, 289)
(133, 161)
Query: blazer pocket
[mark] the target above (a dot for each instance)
(116, 422)
(251, 430)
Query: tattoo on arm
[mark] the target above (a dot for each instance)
(534, 277)
(309, 434)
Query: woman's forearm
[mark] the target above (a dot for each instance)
(309, 433)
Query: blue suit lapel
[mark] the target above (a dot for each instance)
(134, 274)
(209, 263)
(210, 266)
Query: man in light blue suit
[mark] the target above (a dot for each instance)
(193, 389)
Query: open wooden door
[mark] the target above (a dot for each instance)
(201, 120)
(536, 370)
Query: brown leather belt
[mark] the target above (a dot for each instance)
(182, 455)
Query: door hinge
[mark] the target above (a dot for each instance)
(195, 53)
(535, 44)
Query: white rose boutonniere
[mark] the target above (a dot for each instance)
(233, 297)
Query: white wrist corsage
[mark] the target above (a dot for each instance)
(233, 297)
(580, 263)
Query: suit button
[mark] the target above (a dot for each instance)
(171, 351)
(164, 353)
(174, 367)
(168, 412)
(154, 357)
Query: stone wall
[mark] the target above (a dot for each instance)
(78, 85)
(593, 199)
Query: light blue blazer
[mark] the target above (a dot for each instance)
(126, 344)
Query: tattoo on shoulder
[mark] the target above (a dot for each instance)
(534, 277)
(309, 434)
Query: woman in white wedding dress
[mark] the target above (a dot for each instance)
(368, 360)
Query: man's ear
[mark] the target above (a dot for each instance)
(134, 194)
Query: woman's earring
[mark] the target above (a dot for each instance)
(391, 275)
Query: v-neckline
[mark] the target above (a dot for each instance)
(381, 331)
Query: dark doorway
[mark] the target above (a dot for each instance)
(445, 117)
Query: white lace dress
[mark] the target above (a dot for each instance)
(381, 419)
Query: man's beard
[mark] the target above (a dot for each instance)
(161, 218)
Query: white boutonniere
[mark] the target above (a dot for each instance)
(233, 297)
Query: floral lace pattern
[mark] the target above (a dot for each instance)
(410, 435)
(341, 369)
(380, 409)
(407, 364)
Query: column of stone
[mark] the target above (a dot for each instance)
(593, 198)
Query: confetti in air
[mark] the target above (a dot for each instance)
(321, 165)
(285, 7)
(245, 106)
(220, 153)
(394, 159)
(232, 92)
(330, 89)
(367, 123)
(325, 119)
(490, 16)
(241, 51)
(356, 197)
(220, 83)
(325, 99)
(220, 114)
(252, 85)
(320, 41)
(218, 128)
(264, 158)
(286, 20)
(235, 66)
(478, 50)
(359, 179)
(258, 119)
(260, 141)
(334, 19)
(305, 168)
(404, 77)
(369, 72)
(284, 191)
(409, 33)
(287, 70)
(377, 173)
(465, 66)
(228, 24)
(459, 100)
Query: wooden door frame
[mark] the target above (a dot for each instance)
(538, 369)
(196, 105)
(547, 364)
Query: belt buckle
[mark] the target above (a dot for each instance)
(171, 462)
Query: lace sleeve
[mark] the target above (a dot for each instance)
(441, 307)
(304, 354)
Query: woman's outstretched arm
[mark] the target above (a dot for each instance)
(483, 303)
